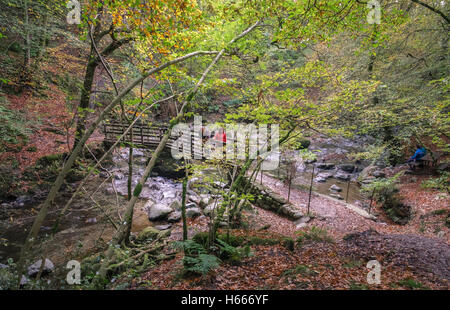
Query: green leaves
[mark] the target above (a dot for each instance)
(202, 264)
(196, 259)
(13, 128)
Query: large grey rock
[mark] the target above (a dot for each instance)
(320, 180)
(325, 166)
(34, 268)
(347, 167)
(163, 227)
(170, 194)
(159, 211)
(176, 205)
(148, 204)
(289, 211)
(325, 175)
(192, 212)
(303, 219)
(205, 200)
(366, 172)
(138, 153)
(342, 176)
(174, 217)
(378, 174)
(194, 198)
(154, 186)
(209, 209)
(335, 188)
(191, 205)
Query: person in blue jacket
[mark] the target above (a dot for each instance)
(418, 155)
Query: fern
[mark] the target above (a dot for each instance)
(202, 264)
(233, 254)
(190, 247)
(196, 259)
(13, 127)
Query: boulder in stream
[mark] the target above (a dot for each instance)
(192, 212)
(325, 166)
(335, 188)
(159, 211)
(323, 176)
(349, 168)
(320, 180)
(191, 205)
(342, 176)
(194, 198)
(174, 217)
(176, 205)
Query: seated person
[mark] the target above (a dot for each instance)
(418, 155)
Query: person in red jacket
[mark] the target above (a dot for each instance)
(221, 136)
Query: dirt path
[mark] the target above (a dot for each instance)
(340, 220)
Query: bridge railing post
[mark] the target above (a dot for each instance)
(310, 188)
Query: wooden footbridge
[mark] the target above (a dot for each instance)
(148, 136)
(140, 135)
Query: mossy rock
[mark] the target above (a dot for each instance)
(303, 144)
(148, 233)
(49, 160)
(164, 234)
(232, 239)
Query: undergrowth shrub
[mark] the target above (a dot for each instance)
(13, 127)
(196, 258)
(315, 234)
(386, 192)
(441, 183)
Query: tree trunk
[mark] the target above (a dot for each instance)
(86, 94)
(27, 47)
